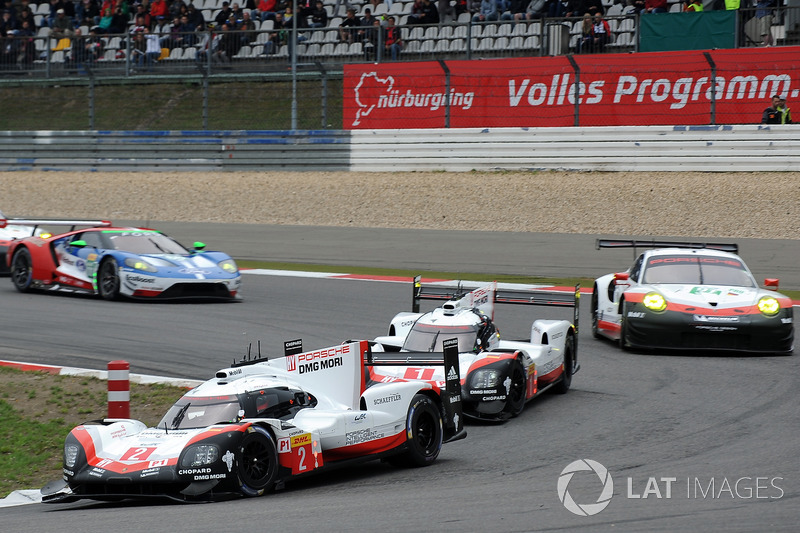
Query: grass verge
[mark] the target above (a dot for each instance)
(37, 410)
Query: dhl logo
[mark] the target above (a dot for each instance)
(301, 440)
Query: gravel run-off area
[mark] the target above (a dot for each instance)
(690, 204)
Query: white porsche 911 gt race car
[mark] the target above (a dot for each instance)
(258, 424)
(498, 376)
(694, 296)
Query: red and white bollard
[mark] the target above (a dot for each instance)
(119, 390)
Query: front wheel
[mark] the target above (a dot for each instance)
(517, 390)
(22, 270)
(569, 366)
(256, 462)
(108, 282)
(424, 427)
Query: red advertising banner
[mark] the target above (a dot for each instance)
(658, 88)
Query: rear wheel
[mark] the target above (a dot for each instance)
(22, 270)
(569, 366)
(256, 462)
(424, 425)
(515, 400)
(108, 279)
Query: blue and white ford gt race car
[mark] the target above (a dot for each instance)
(116, 262)
(690, 296)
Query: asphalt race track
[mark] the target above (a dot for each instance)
(692, 442)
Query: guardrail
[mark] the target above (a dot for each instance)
(632, 148)
(174, 150)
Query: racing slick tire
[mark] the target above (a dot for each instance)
(424, 425)
(256, 462)
(517, 391)
(569, 366)
(623, 328)
(108, 279)
(595, 314)
(22, 270)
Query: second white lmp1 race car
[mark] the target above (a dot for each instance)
(498, 376)
(691, 296)
(259, 423)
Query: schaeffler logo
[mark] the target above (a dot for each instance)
(586, 509)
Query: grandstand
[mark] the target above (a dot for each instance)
(454, 38)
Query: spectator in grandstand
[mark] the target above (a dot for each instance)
(86, 49)
(655, 6)
(146, 49)
(26, 16)
(23, 7)
(119, 21)
(555, 8)
(586, 40)
(487, 13)
(62, 26)
(177, 8)
(237, 13)
(693, 6)
(348, 29)
(592, 7)
(430, 13)
(319, 15)
(248, 28)
(366, 30)
(601, 33)
(23, 47)
(223, 15)
(777, 113)
(524, 10)
(266, 10)
(415, 13)
(764, 19)
(67, 7)
(229, 45)
(159, 11)
(87, 13)
(195, 17)
(7, 24)
(393, 41)
(142, 18)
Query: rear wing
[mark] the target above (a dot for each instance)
(504, 293)
(627, 243)
(53, 222)
(451, 394)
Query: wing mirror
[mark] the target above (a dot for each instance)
(199, 246)
(771, 284)
(78, 244)
(621, 276)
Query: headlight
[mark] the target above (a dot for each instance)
(769, 306)
(138, 264)
(202, 454)
(654, 302)
(70, 455)
(229, 265)
(486, 378)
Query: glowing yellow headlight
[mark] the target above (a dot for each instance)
(654, 302)
(228, 265)
(769, 306)
(138, 264)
